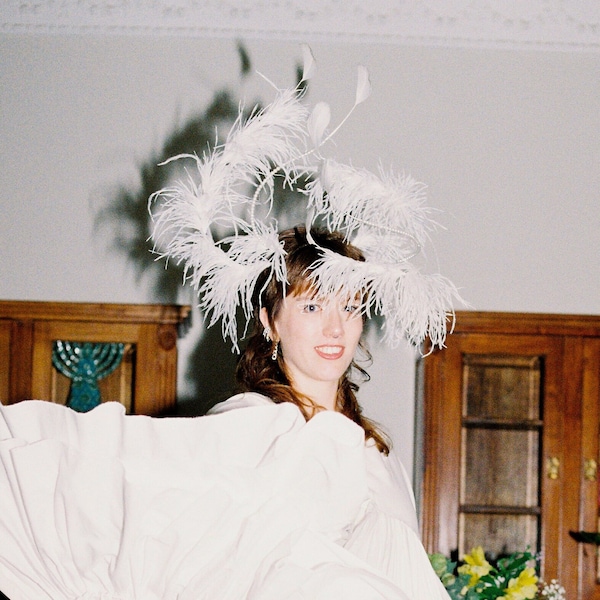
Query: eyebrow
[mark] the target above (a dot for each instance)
(307, 295)
(307, 300)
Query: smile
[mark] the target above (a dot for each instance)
(330, 352)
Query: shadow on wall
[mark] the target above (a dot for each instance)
(210, 367)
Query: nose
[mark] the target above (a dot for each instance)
(333, 323)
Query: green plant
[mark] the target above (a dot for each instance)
(510, 578)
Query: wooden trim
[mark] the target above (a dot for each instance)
(21, 361)
(525, 425)
(475, 509)
(96, 312)
(590, 449)
(571, 465)
(525, 323)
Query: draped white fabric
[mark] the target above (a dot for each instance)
(252, 503)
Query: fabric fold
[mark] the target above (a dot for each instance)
(106, 506)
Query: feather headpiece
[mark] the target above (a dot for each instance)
(382, 214)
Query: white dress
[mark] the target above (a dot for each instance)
(254, 503)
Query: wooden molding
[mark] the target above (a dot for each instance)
(526, 323)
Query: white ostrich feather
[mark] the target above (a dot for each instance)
(310, 65)
(229, 281)
(363, 85)
(358, 200)
(384, 214)
(272, 136)
(227, 288)
(415, 306)
(318, 122)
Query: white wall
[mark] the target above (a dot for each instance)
(507, 141)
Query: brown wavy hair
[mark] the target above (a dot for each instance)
(258, 372)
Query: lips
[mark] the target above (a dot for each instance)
(330, 352)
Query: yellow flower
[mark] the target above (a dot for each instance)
(476, 565)
(524, 587)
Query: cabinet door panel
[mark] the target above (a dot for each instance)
(494, 410)
(51, 385)
(500, 467)
(501, 387)
(501, 533)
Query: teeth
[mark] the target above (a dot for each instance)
(330, 349)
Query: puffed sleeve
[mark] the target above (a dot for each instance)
(386, 536)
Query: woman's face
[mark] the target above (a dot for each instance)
(318, 339)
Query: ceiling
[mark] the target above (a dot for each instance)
(565, 25)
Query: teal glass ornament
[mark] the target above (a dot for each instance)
(85, 363)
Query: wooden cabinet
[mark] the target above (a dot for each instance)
(510, 432)
(144, 378)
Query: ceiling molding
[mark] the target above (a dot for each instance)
(512, 24)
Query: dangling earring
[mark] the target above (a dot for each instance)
(267, 334)
(275, 348)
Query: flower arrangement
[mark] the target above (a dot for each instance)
(511, 578)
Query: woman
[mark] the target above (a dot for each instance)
(303, 347)
(293, 495)
(303, 352)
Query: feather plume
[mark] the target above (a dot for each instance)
(415, 306)
(363, 85)
(230, 281)
(384, 214)
(274, 135)
(318, 122)
(309, 63)
(351, 198)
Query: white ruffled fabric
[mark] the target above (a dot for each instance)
(252, 504)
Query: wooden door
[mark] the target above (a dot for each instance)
(484, 458)
(510, 441)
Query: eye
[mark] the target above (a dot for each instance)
(352, 309)
(311, 307)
